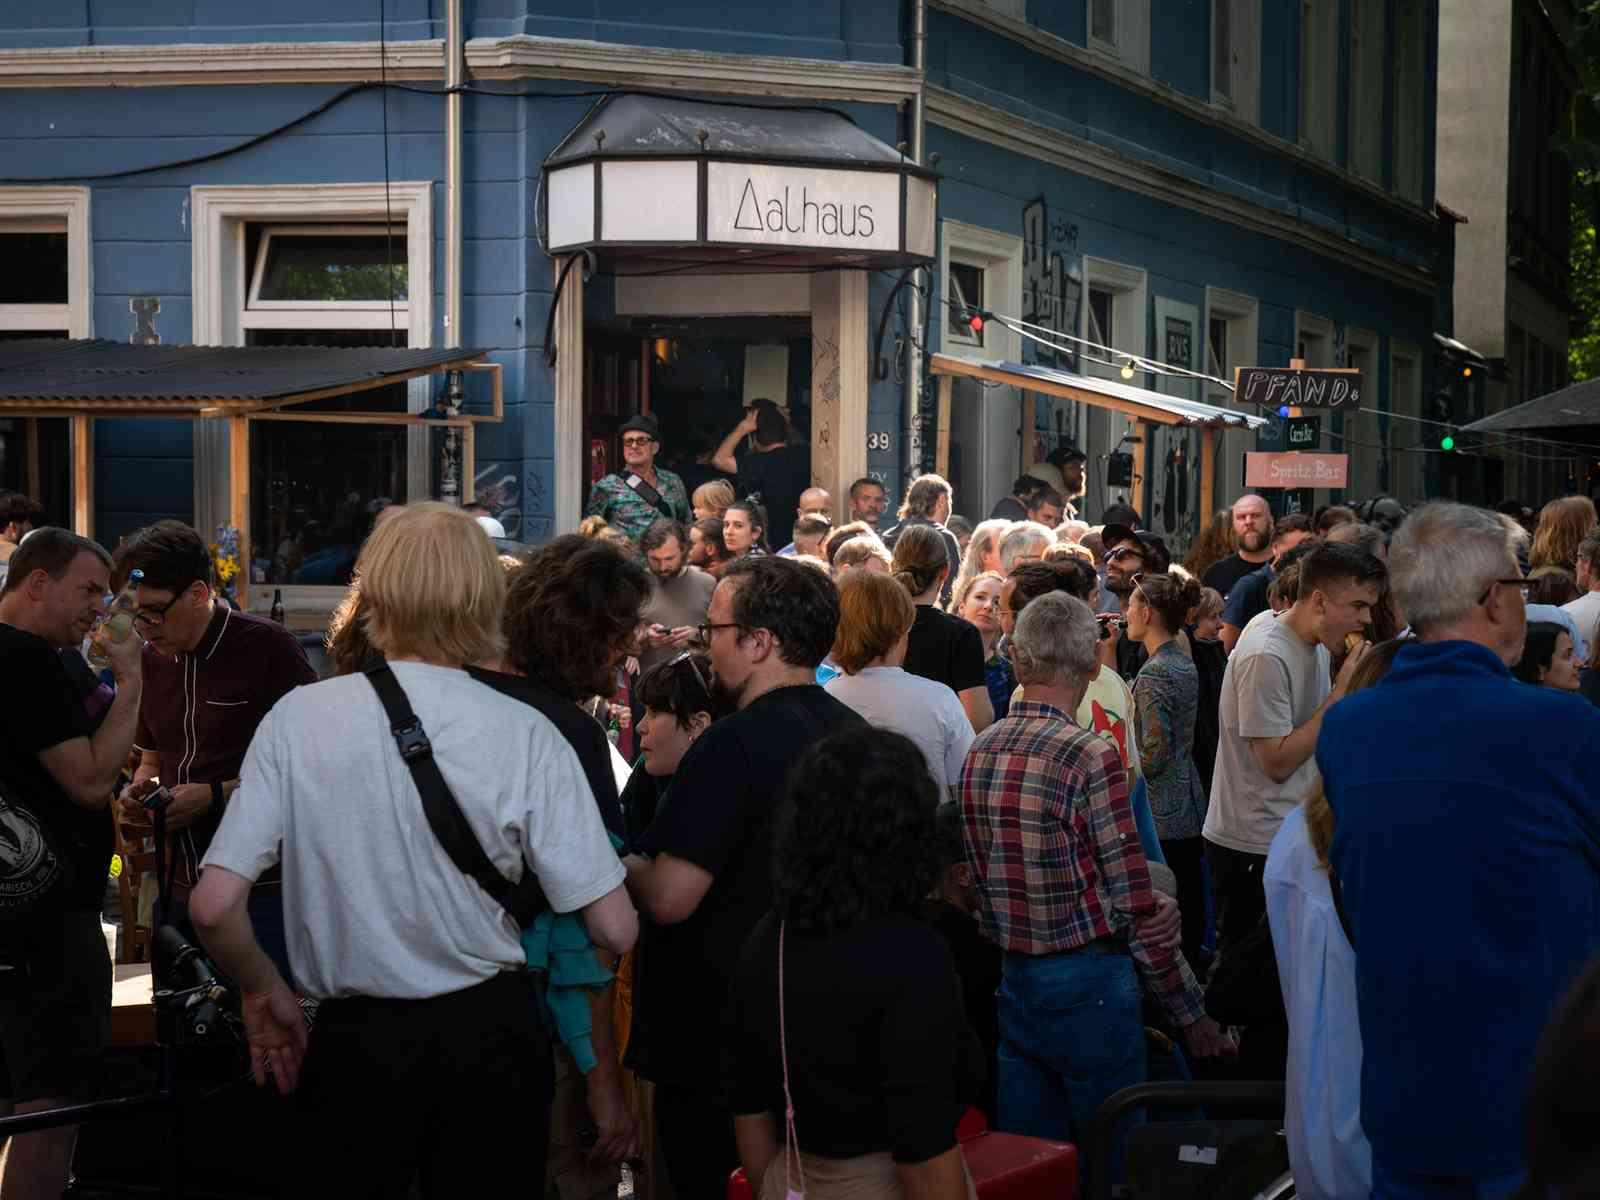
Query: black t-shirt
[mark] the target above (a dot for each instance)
(1226, 572)
(718, 815)
(640, 800)
(946, 649)
(1008, 508)
(779, 476)
(978, 963)
(881, 1056)
(583, 734)
(41, 707)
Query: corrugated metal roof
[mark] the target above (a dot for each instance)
(95, 373)
(1573, 410)
(1170, 410)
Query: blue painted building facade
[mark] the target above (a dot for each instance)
(1200, 182)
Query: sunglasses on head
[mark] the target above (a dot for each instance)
(688, 657)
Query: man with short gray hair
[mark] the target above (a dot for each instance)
(1585, 610)
(1065, 892)
(1024, 541)
(1466, 849)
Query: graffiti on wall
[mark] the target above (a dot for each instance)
(1052, 283)
(496, 489)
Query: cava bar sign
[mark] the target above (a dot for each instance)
(1297, 387)
(647, 179)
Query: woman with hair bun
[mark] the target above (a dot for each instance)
(1166, 698)
(943, 648)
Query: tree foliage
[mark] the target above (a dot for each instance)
(1580, 143)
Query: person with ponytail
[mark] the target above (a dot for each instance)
(744, 529)
(943, 648)
(1166, 698)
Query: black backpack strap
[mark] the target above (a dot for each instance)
(524, 900)
(649, 495)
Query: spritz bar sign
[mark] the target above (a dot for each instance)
(1296, 470)
(1298, 387)
(799, 206)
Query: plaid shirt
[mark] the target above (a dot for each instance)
(1049, 831)
(624, 509)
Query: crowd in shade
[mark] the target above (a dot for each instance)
(795, 837)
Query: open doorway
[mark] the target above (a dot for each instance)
(695, 375)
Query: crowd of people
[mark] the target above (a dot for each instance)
(1047, 813)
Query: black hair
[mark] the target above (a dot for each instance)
(14, 506)
(797, 603)
(172, 556)
(813, 525)
(711, 531)
(1331, 562)
(680, 687)
(52, 550)
(771, 425)
(1030, 580)
(1027, 487)
(856, 837)
(1296, 522)
(757, 513)
(867, 481)
(1122, 514)
(661, 531)
(947, 835)
(1045, 495)
(1539, 651)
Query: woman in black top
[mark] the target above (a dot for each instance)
(943, 648)
(880, 1058)
(678, 707)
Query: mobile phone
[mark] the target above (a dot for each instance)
(157, 799)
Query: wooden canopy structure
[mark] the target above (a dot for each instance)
(87, 379)
(1140, 405)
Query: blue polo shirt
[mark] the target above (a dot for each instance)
(1467, 839)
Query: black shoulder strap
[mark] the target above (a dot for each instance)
(524, 900)
(1338, 905)
(648, 494)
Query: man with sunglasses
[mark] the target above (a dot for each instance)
(210, 675)
(1129, 552)
(641, 493)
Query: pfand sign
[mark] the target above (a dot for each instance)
(801, 206)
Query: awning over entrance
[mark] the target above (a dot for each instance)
(652, 184)
(1573, 413)
(99, 378)
(1135, 403)
(1139, 405)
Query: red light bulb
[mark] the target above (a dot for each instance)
(976, 323)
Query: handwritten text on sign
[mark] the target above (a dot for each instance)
(1296, 470)
(802, 206)
(1279, 386)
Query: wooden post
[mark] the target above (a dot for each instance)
(469, 458)
(83, 475)
(30, 475)
(942, 445)
(239, 499)
(1208, 472)
(646, 354)
(1139, 431)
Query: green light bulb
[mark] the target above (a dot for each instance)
(1447, 443)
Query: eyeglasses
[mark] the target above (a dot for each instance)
(1521, 585)
(158, 617)
(637, 441)
(706, 628)
(1122, 552)
(688, 657)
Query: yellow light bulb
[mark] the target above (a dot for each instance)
(1127, 370)
(1466, 372)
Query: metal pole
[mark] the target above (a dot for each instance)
(453, 488)
(915, 451)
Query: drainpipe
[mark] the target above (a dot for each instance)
(914, 324)
(453, 487)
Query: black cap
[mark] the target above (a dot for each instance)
(643, 423)
(1062, 455)
(1157, 558)
(1116, 532)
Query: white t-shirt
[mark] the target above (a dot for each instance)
(925, 711)
(1585, 613)
(372, 903)
(1107, 710)
(1274, 684)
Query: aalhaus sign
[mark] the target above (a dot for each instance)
(801, 206)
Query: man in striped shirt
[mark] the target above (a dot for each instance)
(1065, 891)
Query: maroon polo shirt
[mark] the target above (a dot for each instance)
(200, 709)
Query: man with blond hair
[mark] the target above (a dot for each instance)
(428, 1054)
(929, 501)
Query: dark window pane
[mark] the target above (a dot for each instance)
(1222, 48)
(334, 267)
(1100, 314)
(966, 294)
(33, 268)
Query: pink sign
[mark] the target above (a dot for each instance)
(1296, 470)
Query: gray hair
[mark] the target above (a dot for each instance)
(1367, 538)
(1055, 641)
(1442, 558)
(1018, 539)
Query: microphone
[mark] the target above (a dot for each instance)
(182, 955)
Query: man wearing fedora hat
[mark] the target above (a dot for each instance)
(641, 493)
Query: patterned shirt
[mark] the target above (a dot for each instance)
(1050, 834)
(624, 509)
(1167, 697)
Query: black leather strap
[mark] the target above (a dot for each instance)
(524, 900)
(649, 494)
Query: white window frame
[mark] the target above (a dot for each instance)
(1320, 328)
(1243, 315)
(1319, 77)
(318, 314)
(1243, 94)
(1131, 44)
(219, 288)
(1406, 477)
(1366, 115)
(53, 210)
(1130, 331)
(999, 456)
(961, 334)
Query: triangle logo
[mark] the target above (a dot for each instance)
(749, 203)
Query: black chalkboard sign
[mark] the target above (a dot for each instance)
(1277, 387)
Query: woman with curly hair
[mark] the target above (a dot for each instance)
(1563, 524)
(846, 1005)
(1213, 545)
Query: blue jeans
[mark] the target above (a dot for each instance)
(1071, 1034)
(1408, 1185)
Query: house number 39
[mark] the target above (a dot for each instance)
(878, 440)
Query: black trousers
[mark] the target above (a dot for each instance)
(452, 1091)
(695, 1129)
(1186, 858)
(1236, 892)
